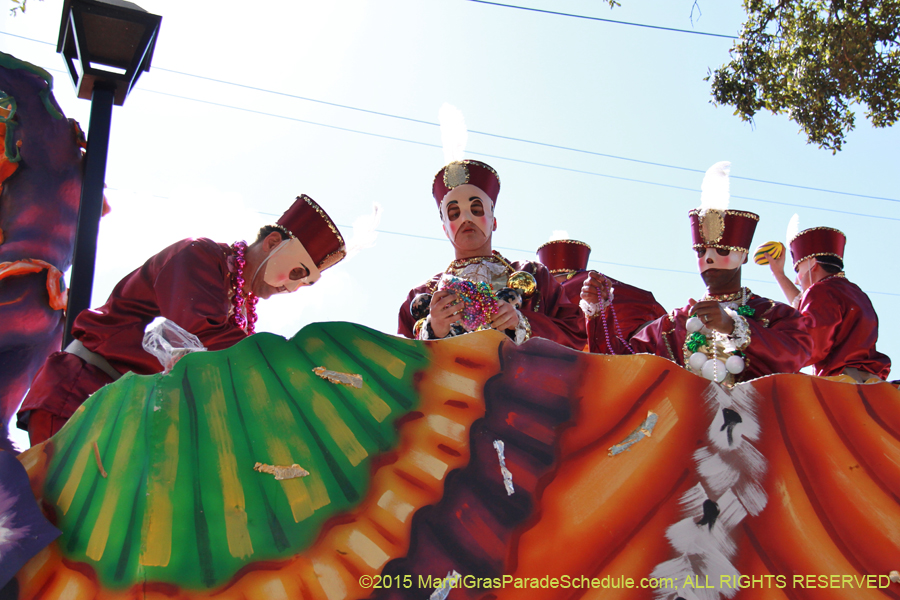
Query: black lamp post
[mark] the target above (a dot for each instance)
(106, 44)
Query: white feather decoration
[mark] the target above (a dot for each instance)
(714, 192)
(731, 470)
(454, 134)
(364, 231)
(793, 229)
(559, 234)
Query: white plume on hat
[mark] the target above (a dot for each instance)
(559, 234)
(365, 231)
(793, 229)
(714, 193)
(454, 134)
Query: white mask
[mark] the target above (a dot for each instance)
(711, 259)
(284, 258)
(804, 273)
(463, 197)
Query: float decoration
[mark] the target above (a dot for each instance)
(24, 530)
(40, 190)
(783, 475)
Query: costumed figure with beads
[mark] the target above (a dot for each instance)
(481, 289)
(731, 335)
(207, 289)
(611, 308)
(836, 312)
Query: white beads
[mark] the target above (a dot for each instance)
(697, 360)
(694, 324)
(734, 364)
(714, 370)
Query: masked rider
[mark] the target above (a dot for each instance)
(731, 334)
(612, 309)
(209, 289)
(836, 312)
(529, 302)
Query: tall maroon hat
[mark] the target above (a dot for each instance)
(461, 172)
(306, 221)
(817, 241)
(726, 229)
(564, 256)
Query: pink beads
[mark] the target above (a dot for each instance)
(244, 309)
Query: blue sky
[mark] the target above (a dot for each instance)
(193, 154)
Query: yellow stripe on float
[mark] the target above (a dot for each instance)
(396, 506)
(100, 531)
(303, 495)
(330, 579)
(381, 357)
(367, 549)
(337, 429)
(274, 590)
(29, 458)
(456, 383)
(233, 503)
(447, 428)
(429, 464)
(67, 495)
(156, 531)
(64, 502)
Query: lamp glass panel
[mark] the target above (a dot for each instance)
(110, 41)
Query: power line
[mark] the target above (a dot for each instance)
(516, 139)
(295, 119)
(595, 261)
(644, 25)
(488, 134)
(517, 160)
(527, 162)
(537, 164)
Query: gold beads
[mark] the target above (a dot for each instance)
(523, 282)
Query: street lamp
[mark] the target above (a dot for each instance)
(106, 45)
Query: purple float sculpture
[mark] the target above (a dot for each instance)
(40, 175)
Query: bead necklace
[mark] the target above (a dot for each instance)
(702, 349)
(461, 263)
(611, 305)
(479, 303)
(522, 281)
(741, 295)
(244, 314)
(618, 330)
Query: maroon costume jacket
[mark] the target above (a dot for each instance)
(778, 341)
(572, 286)
(548, 310)
(844, 328)
(188, 283)
(632, 307)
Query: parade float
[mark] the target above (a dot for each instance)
(345, 463)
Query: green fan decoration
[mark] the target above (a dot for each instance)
(194, 436)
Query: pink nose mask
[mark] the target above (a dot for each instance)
(711, 259)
